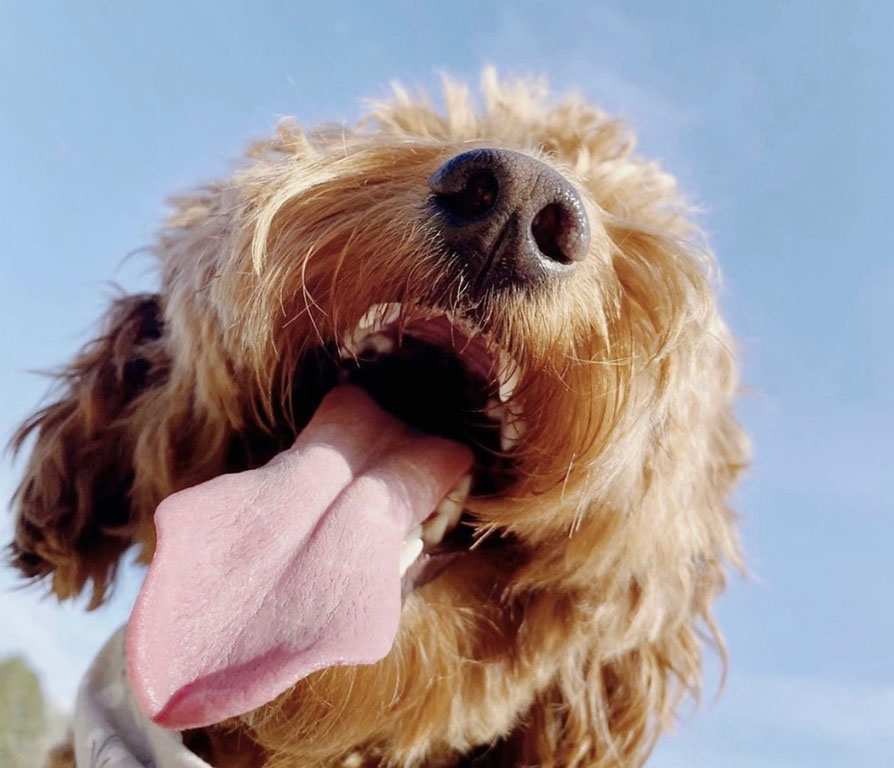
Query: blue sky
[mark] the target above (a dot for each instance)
(777, 118)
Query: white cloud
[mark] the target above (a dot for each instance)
(701, 758)
(848, 713)
(610, 57)
(782, 721)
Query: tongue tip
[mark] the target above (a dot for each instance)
(190, 707)
(202, 702)
(180, 702)
(210, 697)
(139, 675)
(194, 704)
(173, 709)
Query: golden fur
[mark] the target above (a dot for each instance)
(573, 643)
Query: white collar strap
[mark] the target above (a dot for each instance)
(108, 728)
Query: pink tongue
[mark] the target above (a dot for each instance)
(262, 577)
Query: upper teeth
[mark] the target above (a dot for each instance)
(375, 319)
(511, 430)
(508, 416)
(378, 316)
(507, 377)
(367, 335)
(379, 343)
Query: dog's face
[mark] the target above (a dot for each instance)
(512, 279)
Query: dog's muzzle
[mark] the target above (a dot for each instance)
(508, 219)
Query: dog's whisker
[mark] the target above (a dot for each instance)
(619, 362)
(567, 475)
(482, 534)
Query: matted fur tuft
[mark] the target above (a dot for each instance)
(571, 643)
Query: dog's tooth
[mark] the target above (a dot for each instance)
(434, 529)
(495, 410)
(410, 549)
(507, 376)
(448, 512)
(508, 383)
(460, 491)
(352, 343)
(378, 316)
(379, 343)
(446, 516)
(369, 317)
(451, 507)
(451, 510)
(415, 533)
(391, 313)
(511, 432)
(348, 346)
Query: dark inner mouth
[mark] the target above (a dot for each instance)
(429, 388)
(433, 389)
(437, 380)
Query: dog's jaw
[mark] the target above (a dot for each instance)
(300, 569)
(201, 653)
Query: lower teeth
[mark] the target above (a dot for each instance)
(410, 549)
(432, 531)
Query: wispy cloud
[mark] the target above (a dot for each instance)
(608, 57)
(780, 721)
(849, 713)
(700, 758)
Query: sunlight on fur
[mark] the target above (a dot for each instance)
(573, 639)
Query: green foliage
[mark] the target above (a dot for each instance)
(23, 716)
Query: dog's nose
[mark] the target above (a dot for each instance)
(512, 219)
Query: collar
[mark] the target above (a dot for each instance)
(108, 728)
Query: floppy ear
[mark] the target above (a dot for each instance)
(74, 517)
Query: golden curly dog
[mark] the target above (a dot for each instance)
(510, 280)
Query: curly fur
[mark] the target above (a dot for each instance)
(573, 643)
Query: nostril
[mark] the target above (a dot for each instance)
(476, 197)
(547, 228)
(508, 218)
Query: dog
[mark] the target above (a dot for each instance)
(499, 325)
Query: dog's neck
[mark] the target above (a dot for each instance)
(225, 748)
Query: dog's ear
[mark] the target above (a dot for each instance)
(74, 517)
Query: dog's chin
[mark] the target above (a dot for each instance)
(442, 375)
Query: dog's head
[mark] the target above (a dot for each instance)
(512, 278)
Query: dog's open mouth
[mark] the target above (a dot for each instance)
(442, 376)
(265, 576)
